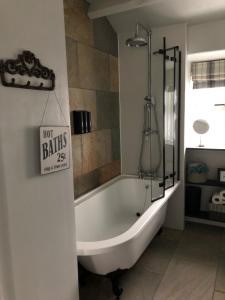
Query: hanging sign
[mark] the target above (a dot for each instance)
(54, 148)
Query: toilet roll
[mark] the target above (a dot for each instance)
(217, 199)
(222, 194)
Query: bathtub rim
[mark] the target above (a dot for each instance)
(93, 192)
(86, 248)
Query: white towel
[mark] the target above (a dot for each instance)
(217, 199)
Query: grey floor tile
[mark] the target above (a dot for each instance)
(199, 247)
(92, 287)
(140, 284)
(170, 234)
(220, 277)
(105, 292)
(198, 254)
(158, 255)
(223, 242)
(187, 280)
(218, 296)
(203, 229)
(206, 238)
(175, 266)
(137, 284)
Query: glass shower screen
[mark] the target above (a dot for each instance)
(171, 117)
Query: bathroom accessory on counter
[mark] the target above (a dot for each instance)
(12, 72)
(81, 121)
(201, 127)
(221, 175)
(197, 172)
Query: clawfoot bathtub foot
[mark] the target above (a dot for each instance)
(160, 231)
(114, 277)
(117, 291)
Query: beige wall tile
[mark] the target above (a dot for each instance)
(105, 37)
(77, 155)
(86, 182)
(77, 25)
(108, 145)
(67, 3)
(89, 152)
(100, 148)
(81, 99)
(89, 71)
(80, 5)
(109, 171)
(72, 63)
(93, 68)
(218, 296)
(114, 73)
(77, 99)
(96, 150)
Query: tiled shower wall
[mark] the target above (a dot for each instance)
(92, 58)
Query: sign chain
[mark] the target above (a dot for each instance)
(46, 106)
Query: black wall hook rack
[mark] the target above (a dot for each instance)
(26, 64)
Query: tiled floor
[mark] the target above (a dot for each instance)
(187, 265)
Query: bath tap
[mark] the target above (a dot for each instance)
(141, 174)
(146, 174)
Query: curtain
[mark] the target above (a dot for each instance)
(208, 74)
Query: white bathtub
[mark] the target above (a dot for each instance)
(110, 235)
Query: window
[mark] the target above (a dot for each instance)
(208, 74)
(206, 100)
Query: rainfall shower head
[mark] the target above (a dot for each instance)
(138, 40)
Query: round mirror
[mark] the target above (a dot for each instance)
(201, 126)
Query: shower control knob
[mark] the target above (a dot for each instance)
(148, 98)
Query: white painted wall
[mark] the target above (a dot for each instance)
(37, 241)
(206, 37)
(133, 88)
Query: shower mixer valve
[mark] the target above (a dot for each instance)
(150, 100)
(142, 38)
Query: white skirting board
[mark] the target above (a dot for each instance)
(204, 221)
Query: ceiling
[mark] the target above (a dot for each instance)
(166, 12)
